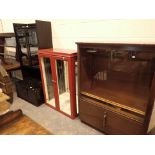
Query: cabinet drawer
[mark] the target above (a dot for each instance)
(106, 120)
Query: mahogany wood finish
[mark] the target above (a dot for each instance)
(116, 86)
(44, 34)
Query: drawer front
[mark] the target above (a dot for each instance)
(107, 121)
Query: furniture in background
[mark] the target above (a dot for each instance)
(5, 83)
(4, 104)
(3, 44)
(58, 77)
(116, 86)
(16, 123)
(9, 62)
(30, 38)
(31, 91)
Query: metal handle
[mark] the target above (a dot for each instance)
(104, 119)
(53, 81)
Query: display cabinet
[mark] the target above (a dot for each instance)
(116, 86)
(30, 38)
(59, 79)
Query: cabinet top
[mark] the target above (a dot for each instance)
(59, 52)
(115, 44)
(119, 46)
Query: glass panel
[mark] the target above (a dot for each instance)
(63, 86)
(47, 75)
(76, 82)
(118, 76)
(28, 45)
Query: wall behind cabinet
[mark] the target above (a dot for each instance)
(134, 31)
(66, 32)
(1, 26)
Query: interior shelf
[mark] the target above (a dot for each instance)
(120, 94)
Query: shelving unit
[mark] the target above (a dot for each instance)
(3, 37)
(9, 61)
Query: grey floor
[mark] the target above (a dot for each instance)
(52, 120)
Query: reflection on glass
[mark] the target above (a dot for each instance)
(30, 56)
(76, 82)
(63, 86)
(28, 46)
(119, 76)
(49, 88)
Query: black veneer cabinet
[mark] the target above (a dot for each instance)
(30, 38)
(116, 86)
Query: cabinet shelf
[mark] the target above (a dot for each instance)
(120, 93)
(7, 46)
(114, 103)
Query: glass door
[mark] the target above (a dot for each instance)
(63, 86)
(47, 80)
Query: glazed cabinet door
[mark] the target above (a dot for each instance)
(62, 74)
(48, 80)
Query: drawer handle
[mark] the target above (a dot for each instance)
(104, 119)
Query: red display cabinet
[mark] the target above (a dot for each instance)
(59, 79)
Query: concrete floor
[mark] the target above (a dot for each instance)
(52, 120)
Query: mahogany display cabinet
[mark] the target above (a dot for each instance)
(59, 80)
(116, 86)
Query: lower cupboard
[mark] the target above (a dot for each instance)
(110, 121)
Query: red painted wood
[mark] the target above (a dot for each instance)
(43, 82)
(67, 55)
(53, 67)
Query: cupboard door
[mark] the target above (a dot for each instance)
(48, 81)
(121, 125)
(106, 120)
(91, 114)
(62, 74)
